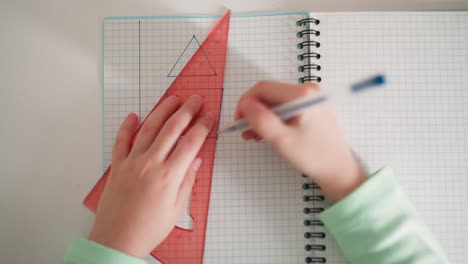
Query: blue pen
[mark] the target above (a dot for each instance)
(295, 107)
(374, 81)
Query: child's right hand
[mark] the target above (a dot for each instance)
(312, 142)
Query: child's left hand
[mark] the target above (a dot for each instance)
(149, 185)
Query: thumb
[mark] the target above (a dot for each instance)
(262, 120)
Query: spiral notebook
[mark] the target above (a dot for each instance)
(260, 209)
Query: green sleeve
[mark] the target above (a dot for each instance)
(377, 224)
(82, 251)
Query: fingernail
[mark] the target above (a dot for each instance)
(173, 99)
(197, 98)
(208, 115)
(196, 164)
(131, 116)
(246, 135)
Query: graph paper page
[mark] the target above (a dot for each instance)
(418, 122)
(256, 208)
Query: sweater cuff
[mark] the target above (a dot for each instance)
(88, 252)
(374, 192)
(379, 193)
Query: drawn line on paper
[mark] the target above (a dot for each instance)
(199, 47)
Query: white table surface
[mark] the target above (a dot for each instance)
(50, 101)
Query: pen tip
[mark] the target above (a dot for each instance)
(379, 79)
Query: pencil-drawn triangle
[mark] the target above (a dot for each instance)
(203, 65)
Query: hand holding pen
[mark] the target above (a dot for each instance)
(301, 104)
(312, 142)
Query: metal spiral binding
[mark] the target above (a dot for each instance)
(308, 44)
(311, 209)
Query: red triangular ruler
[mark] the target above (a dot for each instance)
(187, 246)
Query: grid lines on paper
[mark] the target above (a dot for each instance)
(417, 123)
(256, 198)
